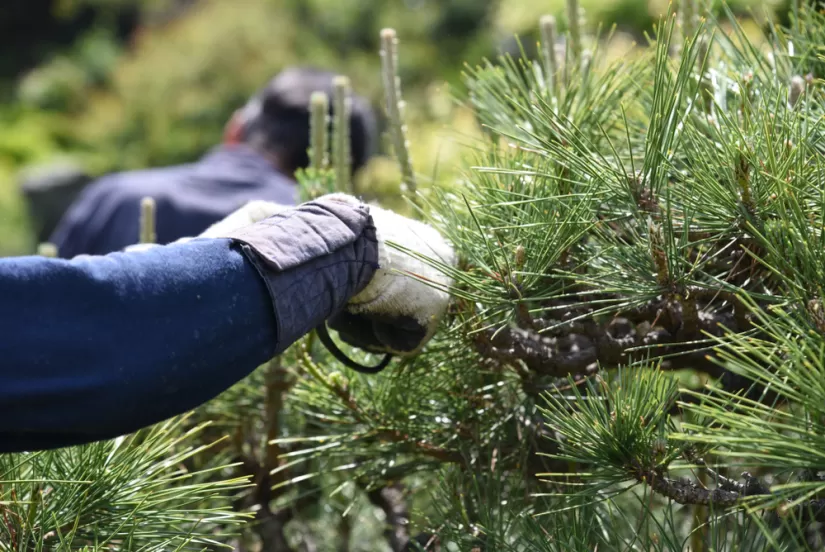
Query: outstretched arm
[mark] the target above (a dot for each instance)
(97, 347)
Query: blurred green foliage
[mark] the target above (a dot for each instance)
(163, 95)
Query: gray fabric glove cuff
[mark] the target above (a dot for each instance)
(313, 259)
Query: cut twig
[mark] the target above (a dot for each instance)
(319, 131)
(147, 220)
(342, 158)
(47, 250)
(395, 109)
(547, 25)
(574, 31)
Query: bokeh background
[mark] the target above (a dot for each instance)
(110, 85)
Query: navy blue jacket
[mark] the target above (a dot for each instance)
(100, 346)
(189, 199)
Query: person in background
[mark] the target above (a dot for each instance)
(265, 143)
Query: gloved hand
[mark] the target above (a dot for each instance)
(397, 312)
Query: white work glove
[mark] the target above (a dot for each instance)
(401, 307)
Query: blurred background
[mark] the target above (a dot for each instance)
(93, 86)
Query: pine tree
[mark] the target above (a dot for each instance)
(131, 493)
(634, 358)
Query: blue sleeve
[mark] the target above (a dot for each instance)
(97, 347)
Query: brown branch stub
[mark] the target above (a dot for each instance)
(643, 195)
(742, 176)
(691, 324)
(659, 255)
(817, 314)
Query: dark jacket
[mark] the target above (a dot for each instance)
(100, 346)
(189, 198)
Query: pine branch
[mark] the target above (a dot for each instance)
(685, 492)
(132, 490)
(729, 493)
(580, 346)
(339, 388)
(723, 482)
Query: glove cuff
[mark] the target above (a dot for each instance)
(381, 280)
(313, 258)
